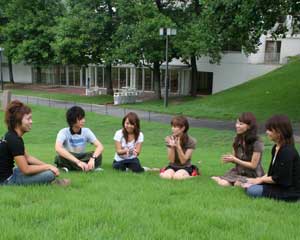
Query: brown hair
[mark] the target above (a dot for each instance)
(181, 121)
(134, 120)
(14, 114)
(248, 137)
(282, 125)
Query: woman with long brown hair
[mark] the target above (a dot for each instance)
(180, 147)
(282, 181)
(128, 145)
(247, 153)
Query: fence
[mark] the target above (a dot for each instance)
(100, 109)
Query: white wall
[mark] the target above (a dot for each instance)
(22, 73)
(289, 47)
(233, 70)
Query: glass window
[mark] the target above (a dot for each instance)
(122, 77)
(77, 76)
(174, 80)
(148, 79)
(100, 77)
(114, 77)
(139, 78)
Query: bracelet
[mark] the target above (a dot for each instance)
(93, 157)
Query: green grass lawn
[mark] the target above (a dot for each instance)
(115, 205)
(102, 99)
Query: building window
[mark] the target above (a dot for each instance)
(204, 82)
(122, 77)
(139, 78)
(272, 52)
(115, 77)
(148, 83)
(174, 80)
(100, 78)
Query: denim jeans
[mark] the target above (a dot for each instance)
(255, 190)
(18, 178)
(132, 164)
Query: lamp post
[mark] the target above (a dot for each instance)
(167, 32)
(2, 86)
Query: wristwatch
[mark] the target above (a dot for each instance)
(94, 157)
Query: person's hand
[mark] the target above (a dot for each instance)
(257, 180)
(83, 166)
(91, 164)
(53, 169)
(228, 158)
(135, 152)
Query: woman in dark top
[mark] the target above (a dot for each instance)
(180, 147)
(283, 179)
(247, 153)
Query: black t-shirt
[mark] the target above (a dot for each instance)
(10, 146)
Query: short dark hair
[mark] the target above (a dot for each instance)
(282, 125)
(14, 114)
(73, 114)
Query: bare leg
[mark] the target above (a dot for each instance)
(221, 181)
(181, 174)
(168, 174)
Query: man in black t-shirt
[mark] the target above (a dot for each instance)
(29, 170)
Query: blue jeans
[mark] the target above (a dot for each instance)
(18, 178)
(255, 190)
(133, 164)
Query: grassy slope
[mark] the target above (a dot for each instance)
(113, 205)
(275, 92)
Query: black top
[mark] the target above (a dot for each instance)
(10, 146)
(285, 171)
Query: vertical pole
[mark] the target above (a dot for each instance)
(2, 85)
(167, 74)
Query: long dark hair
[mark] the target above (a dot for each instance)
(14, 114)
(249, 136)
(281, 124)
(181, 121)
(134, 120)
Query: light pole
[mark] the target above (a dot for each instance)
(167, 32)
(2, 85)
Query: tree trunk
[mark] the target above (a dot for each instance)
(10, 70)
(193, 76)
(156, 76)
(109, 86)
(38, 74)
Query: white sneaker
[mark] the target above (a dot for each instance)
(64, 169)
(147, 169)
(98, 169)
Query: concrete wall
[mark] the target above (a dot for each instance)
(289, 47)
(22, 73)
(233, 70)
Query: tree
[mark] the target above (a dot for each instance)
(28, 34)
(137, 38)
(3, 22)
(84, 35)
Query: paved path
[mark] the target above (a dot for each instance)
(144, 115)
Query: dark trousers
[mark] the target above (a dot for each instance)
(84, 157)
(132, 164)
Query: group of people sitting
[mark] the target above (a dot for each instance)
(282, 181)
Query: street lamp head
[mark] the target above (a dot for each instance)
(167, 31)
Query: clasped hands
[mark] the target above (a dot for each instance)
(173, 141)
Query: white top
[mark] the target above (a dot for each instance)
(130, 145)
(75, 143)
